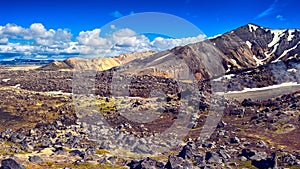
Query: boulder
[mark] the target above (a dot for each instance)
(10, 164)
(248, 153)
(234, 140)
(174, 162)
(35, 159)
(212, 157)
(187, 152)
(146, 163)
(268, 163)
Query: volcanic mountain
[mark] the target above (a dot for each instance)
(246, 47)
(99, 64)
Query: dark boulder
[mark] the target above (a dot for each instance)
(212, 157)
(187, 152)
(268, 163)
(151, 163)
(221, 124)
(76, 153)
(234, 140)
(146, 163)
(10, 164)
(174, 162)
(248, 153)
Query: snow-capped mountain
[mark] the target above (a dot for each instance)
(246, 47)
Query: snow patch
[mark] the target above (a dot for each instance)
(224, 77)
(59, 92)
(292, 70)
(285, 52)
(234, 61)
(160, 57)
(5, 80)
(215, 36)
(249, 44)
(16, 86)
(258, 61)
(252, 27)
(291, 36)
(228, 70)
(277, 35)
(273, 51)
(262, 88)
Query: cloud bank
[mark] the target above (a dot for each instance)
(38, 42)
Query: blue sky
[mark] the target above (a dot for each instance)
(69, 18)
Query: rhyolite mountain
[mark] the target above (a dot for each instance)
(100, 63)
(246, 47)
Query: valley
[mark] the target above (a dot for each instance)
(228, 102)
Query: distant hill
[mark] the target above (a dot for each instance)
(96, 63)
(25, 62)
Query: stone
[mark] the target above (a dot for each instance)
(290, 160)
(222, 152)
(45, 143)
(234, 140)
(270, 162)
(27, 147)
(111, 160)
(60, 150)
(248, 153)
(141, 148)
(134, 164)
(212, 157)
(76, 153)
(200, 161)
(262, 144)
(242, 158)
(221, 124)
(35, 159)
(208, 145)
(259, 156)
(10, 164)
(187, 152)
(174, 162)
(151, 163)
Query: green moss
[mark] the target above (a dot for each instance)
(106, 107)
(246, 164)
(101, 151)
(294, 167)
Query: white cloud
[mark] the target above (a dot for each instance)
(13, 29)
(3, 40)
(164, 44)
(37, 41)
(91, 38)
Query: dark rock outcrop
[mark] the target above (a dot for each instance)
(10, 164)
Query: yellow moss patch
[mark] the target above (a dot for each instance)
(101, 151)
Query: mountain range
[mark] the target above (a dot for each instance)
(246, 47)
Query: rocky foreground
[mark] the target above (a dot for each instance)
(43, 126)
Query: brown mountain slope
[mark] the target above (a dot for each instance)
(246, 47)
(96, 63)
